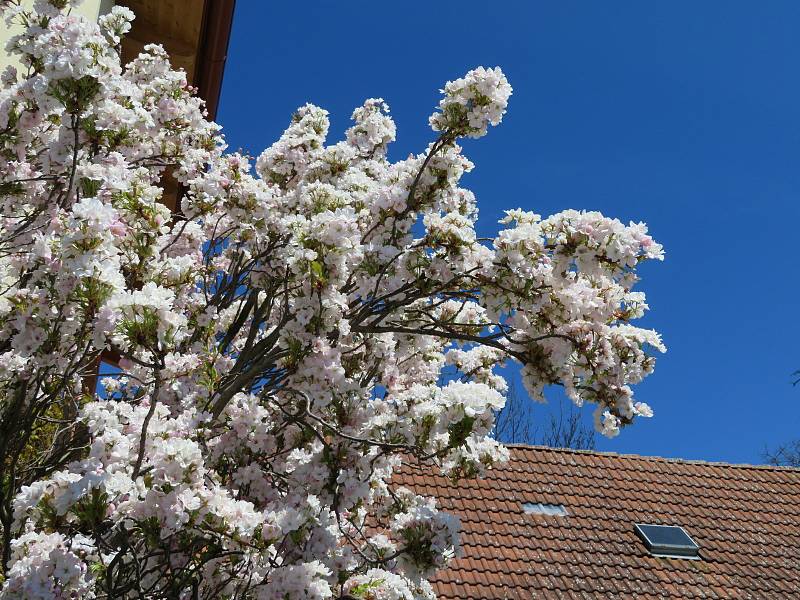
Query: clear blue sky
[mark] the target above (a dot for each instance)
(683, 114)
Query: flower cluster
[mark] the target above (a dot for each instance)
(379, 584)
(429, 537)
(472, 103)
(50, 565)
(300, 329)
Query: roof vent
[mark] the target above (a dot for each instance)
(537, 508)
(670, 541)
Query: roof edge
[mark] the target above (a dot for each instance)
(213, 51)
(660, 459)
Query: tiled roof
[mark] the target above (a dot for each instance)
(746, 520)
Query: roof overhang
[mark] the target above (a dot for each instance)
(195, 33)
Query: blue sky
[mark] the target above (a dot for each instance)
(682, 114)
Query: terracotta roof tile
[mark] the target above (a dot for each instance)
(746, 520)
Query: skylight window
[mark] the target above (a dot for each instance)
(670, 541)
(538, 508)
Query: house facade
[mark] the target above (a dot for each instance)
(195, 33)
(90, 9)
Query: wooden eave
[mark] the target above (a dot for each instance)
(195, 34)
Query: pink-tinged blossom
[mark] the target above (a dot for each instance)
(46, 566)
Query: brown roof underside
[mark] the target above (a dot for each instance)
(745, 519)
(195, 33)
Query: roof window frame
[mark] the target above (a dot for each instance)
(681, 551)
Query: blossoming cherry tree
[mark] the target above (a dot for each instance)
(286, 340)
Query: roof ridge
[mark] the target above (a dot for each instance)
(663, 459)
